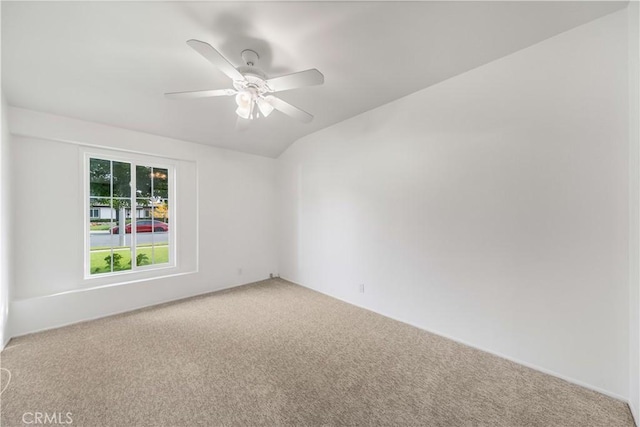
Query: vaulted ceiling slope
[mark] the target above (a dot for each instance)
(111, 62)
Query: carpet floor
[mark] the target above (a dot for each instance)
(274, 353)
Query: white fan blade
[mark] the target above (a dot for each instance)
(242, 124)
(200, 94)
(216, 58)
(289, 109)
(292, 81)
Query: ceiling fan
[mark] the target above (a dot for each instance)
(251, 86)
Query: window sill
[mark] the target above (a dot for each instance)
(160, 271)
(127, 277)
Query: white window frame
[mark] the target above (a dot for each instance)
(91, 209)
(135, 160)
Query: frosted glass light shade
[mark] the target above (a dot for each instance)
(244, 112)
(265, 107)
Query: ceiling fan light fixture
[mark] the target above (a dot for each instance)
(244, 99)
(265, 106)
(244, 112)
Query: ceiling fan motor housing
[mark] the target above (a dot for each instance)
(255, 77)
(250, 57)
(254, 81)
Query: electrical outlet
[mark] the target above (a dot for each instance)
(240, 271)
(361, 288)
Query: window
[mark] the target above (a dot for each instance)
(120, 241)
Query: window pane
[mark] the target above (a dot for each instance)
(100, 236)
(100, 177)
(161, 212)
(160, 250)
(100, 214)
(161, 253)
(143, 181)
(160, 183)
(121, 179)
(143, 208)
(151, 230)
(121, 229)
(122, 259)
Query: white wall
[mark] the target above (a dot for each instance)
(4, 216)
(5, 276)
(490, 208)
(634, 209)
(5, 265)
(225, 217)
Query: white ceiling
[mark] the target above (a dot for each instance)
(111, 62)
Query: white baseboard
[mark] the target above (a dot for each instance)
(503, 356)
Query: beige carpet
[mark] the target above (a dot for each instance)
(274, 353)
